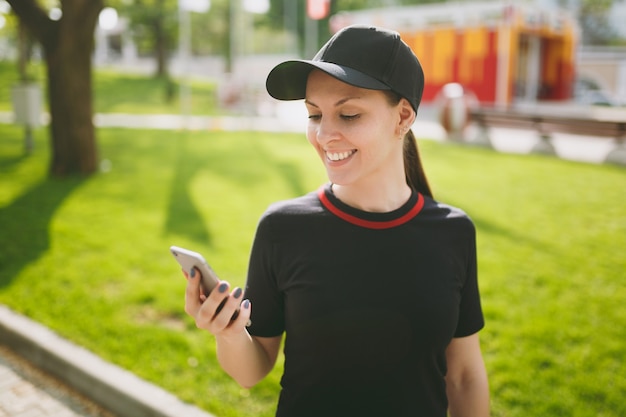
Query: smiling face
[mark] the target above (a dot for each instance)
(357, 132)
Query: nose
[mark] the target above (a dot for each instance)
(325, 131)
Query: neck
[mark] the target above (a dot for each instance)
(381, 199)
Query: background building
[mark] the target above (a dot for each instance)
(501, 52)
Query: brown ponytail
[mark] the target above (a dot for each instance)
(413, 168)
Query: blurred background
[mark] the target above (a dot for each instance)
(537, 56)
(504, 52)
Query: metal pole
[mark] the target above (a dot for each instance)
(291, 25)
(311, 27)
(234, 35)
(185, 53)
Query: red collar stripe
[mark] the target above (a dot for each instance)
(368, 223)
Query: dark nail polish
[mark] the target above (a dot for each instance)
(223, 287)
(192, 273)
(246, 304)
(237, 293)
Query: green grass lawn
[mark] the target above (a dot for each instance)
(89, 258)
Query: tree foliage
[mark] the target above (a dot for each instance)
(593, 17)
(155, 28)
(154, 24)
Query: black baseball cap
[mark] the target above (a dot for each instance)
(363, 56)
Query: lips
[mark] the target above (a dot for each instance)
(339, 156)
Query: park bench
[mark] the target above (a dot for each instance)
(547, 121)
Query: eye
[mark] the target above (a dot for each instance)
(349, 117)
(315, 116)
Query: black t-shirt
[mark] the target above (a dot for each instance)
(369, 302)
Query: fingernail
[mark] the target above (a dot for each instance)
(237, 293)
(223, 287)
(246, 304)
(192, 273)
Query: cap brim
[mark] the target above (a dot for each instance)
(287, 81)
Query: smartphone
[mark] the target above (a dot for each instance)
(189, 259)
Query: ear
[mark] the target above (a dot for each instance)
(406, 117)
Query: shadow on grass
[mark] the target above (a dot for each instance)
(492, 228)
(183, 217)
(25, 225)
(246, 165)
(8, 164)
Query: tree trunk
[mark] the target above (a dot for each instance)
(160, 39)
(70, 96)
(67, 45)
(161, 49)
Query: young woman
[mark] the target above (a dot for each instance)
(371, 280)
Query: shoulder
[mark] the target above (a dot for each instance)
(437, 211)
(290, 213)
(306, 204)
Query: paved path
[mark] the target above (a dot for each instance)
(292, 117)
(48, 385)
(25, 391)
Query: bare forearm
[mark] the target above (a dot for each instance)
(470, 398)
(243, 358)
(466, 381)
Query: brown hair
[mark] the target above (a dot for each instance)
(413, 168)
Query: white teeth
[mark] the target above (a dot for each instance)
(338, 156)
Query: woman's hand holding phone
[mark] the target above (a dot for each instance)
(207, 299)
(222, 311)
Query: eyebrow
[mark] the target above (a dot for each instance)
(339, 103)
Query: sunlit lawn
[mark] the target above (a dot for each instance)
(89, 258)
(123, 93)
